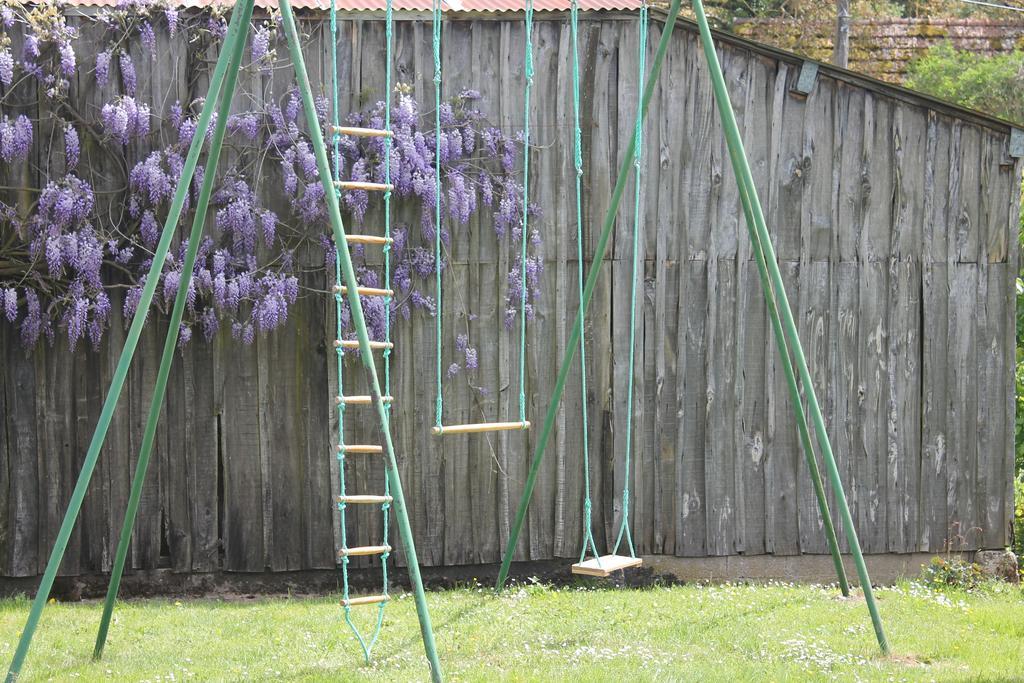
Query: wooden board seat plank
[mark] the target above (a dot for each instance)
(605, 565)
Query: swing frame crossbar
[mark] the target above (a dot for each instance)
(221, 91)
(783, 326)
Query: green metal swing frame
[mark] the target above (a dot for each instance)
(222, 88)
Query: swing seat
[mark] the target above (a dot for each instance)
(605, 565)
(480, 427)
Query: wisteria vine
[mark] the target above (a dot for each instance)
(84, 239)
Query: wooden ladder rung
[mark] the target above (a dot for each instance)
(354, 344)
(363, 132)
(365, 291)
(363, 400)
(365, 500)
(364, 550)
(367, 239)
(365, 600)
(361, 448)
(480, 427)
(358, 185)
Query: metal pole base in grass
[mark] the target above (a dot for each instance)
(222, 88)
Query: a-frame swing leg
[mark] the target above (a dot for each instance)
(244, 11)
(777, 292)
(359, 322)
(234, 35)
(776, 299)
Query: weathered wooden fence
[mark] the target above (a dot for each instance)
(895, 220)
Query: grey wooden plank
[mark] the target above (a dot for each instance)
(820, 168)
(815, 326)
(936, 187)
(665, 326)
(871, 447)
(24, 533)
(962, 406)
(846, 394)
(691, 525)
(933, 505)
(998, 232)
(281, 362)
(720, 410)
(967, 226)
(853, 182)
(910, 145)
(995, 447)
(782, 445)
(752, 328)
(55, 423)
(242, 521)
(786, 176)
(877, 179)
(904, 407)
(201, 455)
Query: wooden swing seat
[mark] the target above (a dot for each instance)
(605, 565)
(479, 427)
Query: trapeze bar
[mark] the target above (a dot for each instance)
(365, 291)
(605, 565)
(365, 600)
(367, 239)
(357, 185)
(364, 550)
(362, 400)
(362, 132)
(480, 427)
(354, 344)
(365, 500)
(360, 448)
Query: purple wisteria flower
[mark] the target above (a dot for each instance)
(10, 301)
(6, 67)
(128, 78)
(171, 15)
(148, 38)
(72, 147)
(15, 138)
(125, 119)
(103, 67)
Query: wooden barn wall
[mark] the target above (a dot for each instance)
(895, 227)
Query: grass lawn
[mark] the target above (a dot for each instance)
(538, 633)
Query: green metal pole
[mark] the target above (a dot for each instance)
(121, 372)
(745, 179)
(794, 390)
(243, 11)
(588, 292)
(365, 353)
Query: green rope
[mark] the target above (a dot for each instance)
(365, 643)
(436, 25)
(524, 237)
(588, 534)
(637, 155)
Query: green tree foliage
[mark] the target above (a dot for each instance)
(989, 83)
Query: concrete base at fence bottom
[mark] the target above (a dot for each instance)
(884, 569)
